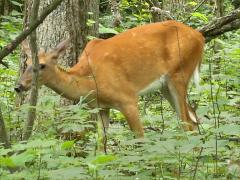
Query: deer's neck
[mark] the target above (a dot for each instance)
(70, 85)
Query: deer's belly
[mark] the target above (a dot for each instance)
(155, 85)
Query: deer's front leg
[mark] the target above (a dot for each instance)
(130, 111)
(102, 126)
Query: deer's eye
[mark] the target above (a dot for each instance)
(42, 66)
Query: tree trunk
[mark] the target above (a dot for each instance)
(5, 7)
(83, 18)
(219, 8)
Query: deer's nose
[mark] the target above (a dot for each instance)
(19, 88)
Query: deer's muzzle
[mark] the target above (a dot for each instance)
(19, 88)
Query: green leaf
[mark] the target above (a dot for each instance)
(16, 3)
(68, 173)
(90, 22)
(21, 159)
(105, 30)
(186, 148)
(38, 143)
(230, 129)
(192, 3)
(212, 143)
(68, 145)
(102, 159)
(4, 152)
(6, 162)
(200, 16)
(131, 159)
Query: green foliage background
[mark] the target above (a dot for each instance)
(167, 152)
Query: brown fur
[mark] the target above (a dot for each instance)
(117, 69)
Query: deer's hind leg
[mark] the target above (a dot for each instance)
(175, 91)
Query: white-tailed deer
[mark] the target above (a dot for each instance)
(116, 71)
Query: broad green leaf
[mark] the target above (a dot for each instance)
(16, 3)
(67, 145)
(90, 22)
(7, 162)
(192, 3)
(69, 173)
(102, 159)
(21, 159)
(230, 129)
(212, 143)
(200, 16)
(38, 143)
(105, 30)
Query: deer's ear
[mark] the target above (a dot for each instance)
(60, 48)
(26, 48)
(41, 52)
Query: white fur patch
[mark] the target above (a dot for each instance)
(192, 116)
(155, 85)
(174, 95)
(196, 77)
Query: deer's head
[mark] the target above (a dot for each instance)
(47, 65)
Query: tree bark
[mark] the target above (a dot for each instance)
(83, 24)
(69, 20)
(5, 7)
(219, 8)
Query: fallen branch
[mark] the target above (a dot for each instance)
(13, 45)
(221, 25)
(226, 28)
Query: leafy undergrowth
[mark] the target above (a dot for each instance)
(169, 154)
(63, 145)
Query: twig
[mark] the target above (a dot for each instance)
(13, 44)
(214, 113)
(196, 166)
